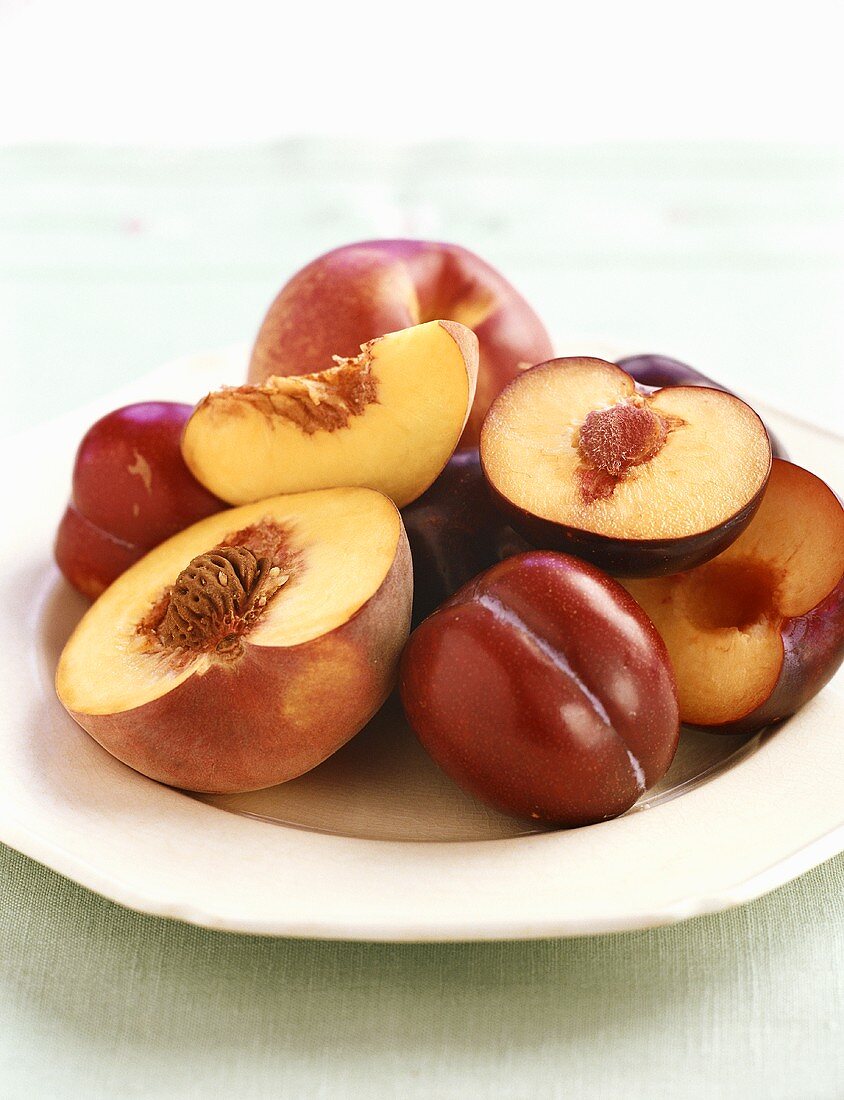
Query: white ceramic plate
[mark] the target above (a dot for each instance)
(376, 843)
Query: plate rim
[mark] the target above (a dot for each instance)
(20, 838)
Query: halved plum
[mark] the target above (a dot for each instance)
(660, 371)
(638, 484)
(388, 419)
(759, 630)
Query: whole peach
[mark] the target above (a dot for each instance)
(360, 291)
(543, 689)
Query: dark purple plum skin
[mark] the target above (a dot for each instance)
(629, 557)
(455, 532)
(543, 689)
(661, 371)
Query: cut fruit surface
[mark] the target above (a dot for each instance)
(388, 419)
(581, 461)
(248, 647)
(758, 630)
(661, 371)
(359, 291)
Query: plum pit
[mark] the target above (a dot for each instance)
(612, 441)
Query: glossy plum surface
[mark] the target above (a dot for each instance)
(89, 557)
(658, 371)
(542, 688)
(455, 532)
(130, 479)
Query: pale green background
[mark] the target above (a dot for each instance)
(112, 261)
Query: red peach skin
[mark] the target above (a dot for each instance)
(90, 558)
(131, 490)
(360, 291)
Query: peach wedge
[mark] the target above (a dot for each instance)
(388, 419)
(247, 648)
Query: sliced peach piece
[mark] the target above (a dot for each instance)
(388, 419)
(759, 630)
(639, 484)
(359, 291)
(244, 650)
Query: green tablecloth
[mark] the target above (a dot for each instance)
(113, 261)
(99, 1002)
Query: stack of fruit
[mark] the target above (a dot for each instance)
(590, 552)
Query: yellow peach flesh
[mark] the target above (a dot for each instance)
(246, 443)
(343, 543)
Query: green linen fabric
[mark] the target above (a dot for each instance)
(96, 1001)
(112, 261)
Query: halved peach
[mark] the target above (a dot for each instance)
(388, 419)
(640, 484)
(249, 647)
(759, 630)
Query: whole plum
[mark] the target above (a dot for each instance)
(542, 688)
